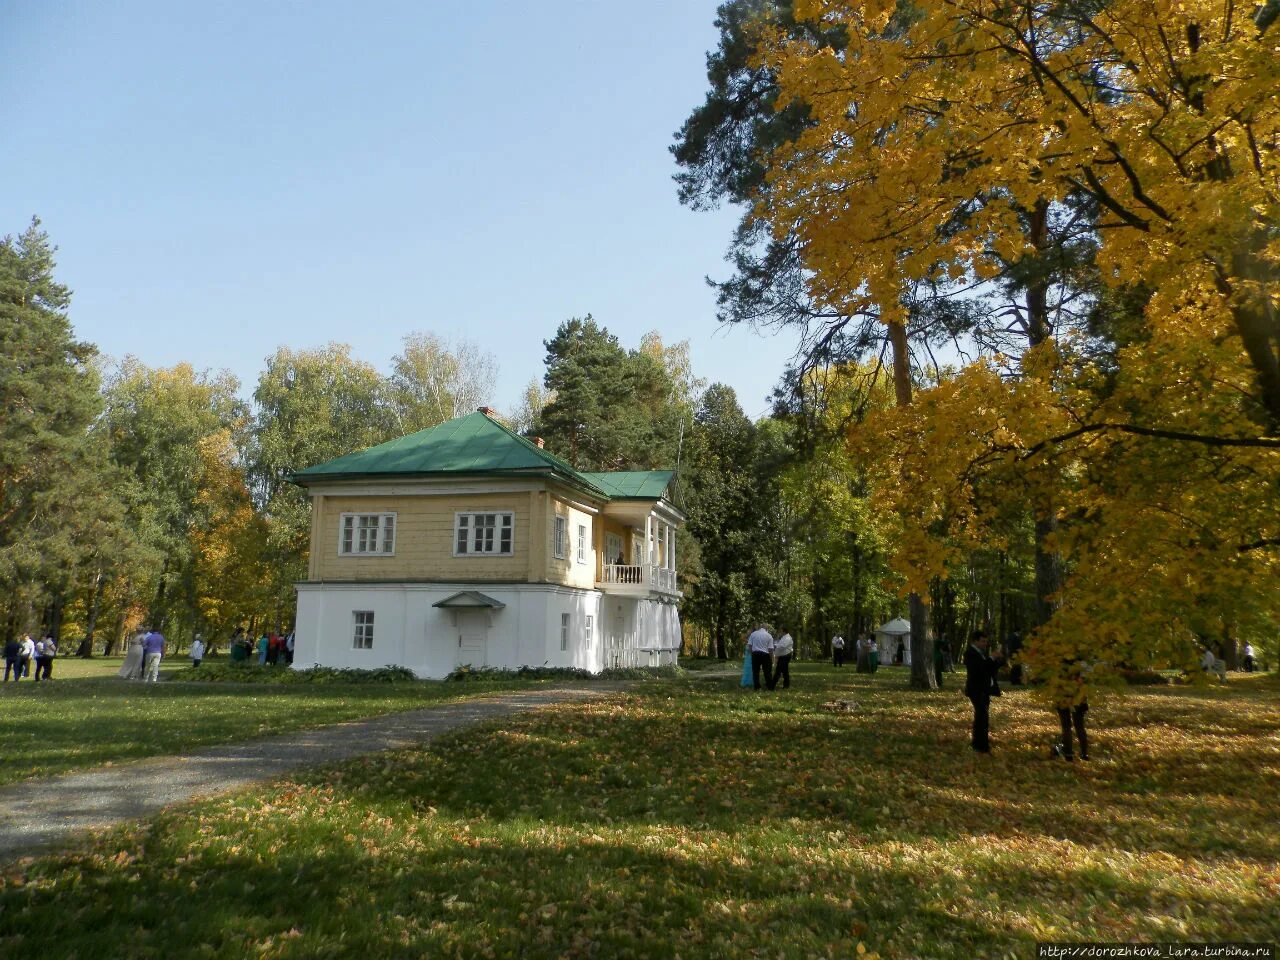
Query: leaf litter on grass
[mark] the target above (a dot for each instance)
(673, 821)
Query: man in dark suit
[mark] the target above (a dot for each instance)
(980, 669)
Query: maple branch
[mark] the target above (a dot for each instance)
(1179, 435)
(1259, 544)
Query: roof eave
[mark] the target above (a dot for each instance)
(300, 479)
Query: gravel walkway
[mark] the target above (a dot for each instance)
(44, 812)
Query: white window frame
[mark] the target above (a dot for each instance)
(591, 629)
(582, 543)
(362, 629)
(466, 519)
(560, 537)
(565, 622)
(384, 531)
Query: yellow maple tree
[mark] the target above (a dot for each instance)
(931, 132)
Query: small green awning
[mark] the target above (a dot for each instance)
(469, 600)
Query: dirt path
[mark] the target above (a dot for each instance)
(41, 813)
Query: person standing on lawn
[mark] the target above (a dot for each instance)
(783, 651)
(873, 654)
(837, 650)
(197, 651)
(46, 650)
(980, 672)
(1248, 658)
(1072, 705)
(264, 643)
(153, 652)
(26, 650)
(11, 662)
(760, 644)
(131, 669)
(288, 649)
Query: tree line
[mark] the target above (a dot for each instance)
(131, 494)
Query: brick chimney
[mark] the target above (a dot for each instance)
(487, 411)
(539, 441)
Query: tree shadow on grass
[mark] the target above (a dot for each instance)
(316, 873)
(359, 886)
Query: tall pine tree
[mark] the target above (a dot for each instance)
(48, 399)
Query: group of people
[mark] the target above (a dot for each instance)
(767, 659)
(981, 684)
(142, 658)
(271, 649)
(20, 654)
(1210, 663)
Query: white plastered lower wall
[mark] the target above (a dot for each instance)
(432, 642)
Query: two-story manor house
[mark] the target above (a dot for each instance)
(466, 544)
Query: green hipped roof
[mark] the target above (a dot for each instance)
(478, 444)
(632, 484)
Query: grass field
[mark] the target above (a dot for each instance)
(87, 716)
(691, 819)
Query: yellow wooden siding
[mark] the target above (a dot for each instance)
(424, 539)
(567, 570)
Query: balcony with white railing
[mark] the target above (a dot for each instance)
(637, 580)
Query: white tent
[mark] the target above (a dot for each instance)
(890, 636)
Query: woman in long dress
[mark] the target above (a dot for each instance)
(747, 680)
(132, 667)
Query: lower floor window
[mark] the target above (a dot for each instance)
(363, 630)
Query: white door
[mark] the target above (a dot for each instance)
(473, 638)
(613, 549)
(615, 649)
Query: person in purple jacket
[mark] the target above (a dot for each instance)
(152, 652)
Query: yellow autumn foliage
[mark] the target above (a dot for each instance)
(931, 132)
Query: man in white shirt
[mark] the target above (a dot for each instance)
(837, 650)
(760, 643)
(26, 651)
(1211, 664)
(1248, 658)
(197, 651)
(783, 650)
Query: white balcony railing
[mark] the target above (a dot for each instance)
(663, 579)
(645, 576)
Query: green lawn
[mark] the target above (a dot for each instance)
(692, 819)
(87, 716)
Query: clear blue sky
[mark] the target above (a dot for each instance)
(225, 178)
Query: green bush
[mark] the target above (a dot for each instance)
(467, 673)
(1142, 678)
(258, 673)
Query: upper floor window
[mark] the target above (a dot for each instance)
(561, 537)
(582, 543)
(367, 534)
(489, 534)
